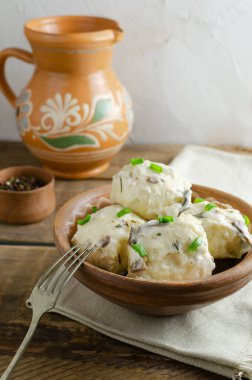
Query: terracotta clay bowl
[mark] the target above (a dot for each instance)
(24, 207)
(155, 298)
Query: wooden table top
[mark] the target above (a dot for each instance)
(61, 348)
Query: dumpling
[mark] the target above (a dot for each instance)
(227, 233)
(110, 233)
(150, 189)
(174, 251)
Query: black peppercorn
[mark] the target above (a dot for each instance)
(21, 183)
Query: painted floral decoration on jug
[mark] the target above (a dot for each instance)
(74, 115)
(81, 124)
(23, 111)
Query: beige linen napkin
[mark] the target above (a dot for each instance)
(218, 337)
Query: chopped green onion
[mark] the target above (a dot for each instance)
(246, 219)
(209, 206)
(94, 209)
(195, 244)
(159, 234)
(84, 220)
(137, 161)
(124, 211)
(139, 249)
(198, 200)
(165, 219)
(156, 168)
(118, 225)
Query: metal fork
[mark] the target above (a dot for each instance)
(47, 290)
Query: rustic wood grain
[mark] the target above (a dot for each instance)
(15, 153)
(61, 348)
(64, 349)
(42, 232)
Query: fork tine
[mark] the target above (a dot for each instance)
(74, 270)
(59, 273)
(44, 277)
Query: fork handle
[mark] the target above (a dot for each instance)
(22, 347)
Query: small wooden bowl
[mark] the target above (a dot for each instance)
(155, 298)
(24, 207)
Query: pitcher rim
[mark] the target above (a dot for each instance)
(110, 32)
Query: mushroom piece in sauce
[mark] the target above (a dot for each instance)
(227, 233)
(174, 251)
(110, 233)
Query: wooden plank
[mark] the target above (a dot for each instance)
(42, 232)
(13, 153)
(64, 349)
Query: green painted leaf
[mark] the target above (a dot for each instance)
(68, 141)
(102, 109)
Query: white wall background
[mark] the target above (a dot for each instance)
(186, 63)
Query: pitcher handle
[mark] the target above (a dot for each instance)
(4, 55)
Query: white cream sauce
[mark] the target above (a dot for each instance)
(147, 192)
(224, 239)
(106, 228)
(168, 253)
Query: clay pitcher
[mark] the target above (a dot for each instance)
(74, 114)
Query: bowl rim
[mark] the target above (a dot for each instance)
(29, 167)
(239, 271)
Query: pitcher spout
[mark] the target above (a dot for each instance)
(118, 34)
